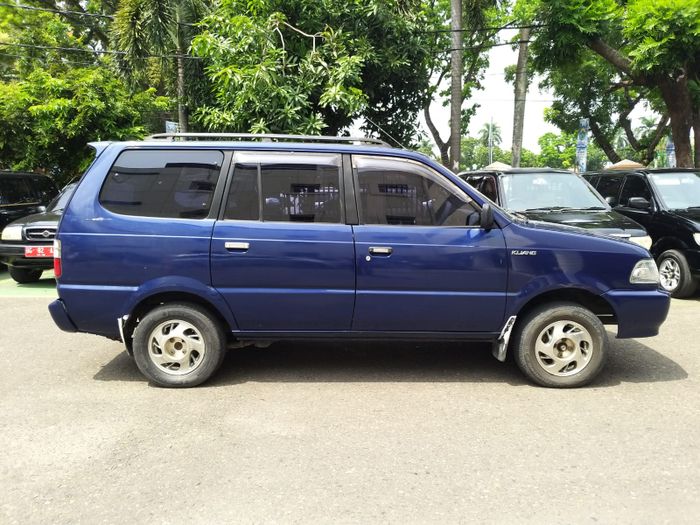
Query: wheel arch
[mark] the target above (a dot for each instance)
(593, 302)
(665, 244)
(149, 302)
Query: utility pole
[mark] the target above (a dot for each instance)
(520, 96)
(491, 141)
(456, 88)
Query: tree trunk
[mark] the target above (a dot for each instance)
(676, 96)
(456, 89)
(520, 96)
(603, 142)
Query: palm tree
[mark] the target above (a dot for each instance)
(494, 130)
(159, 29)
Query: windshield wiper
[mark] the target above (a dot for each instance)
(550, 208)
(693, 208)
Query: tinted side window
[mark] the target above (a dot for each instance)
(635, 186)
(162, 183)
(14, 190)
(285, 187)
(399, 192)
(244, 195)
(488, 188)
(609, 188)
(44, 188)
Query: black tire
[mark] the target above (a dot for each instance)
(25, 275)
(196, 325)
(578, 363)
(673, 261)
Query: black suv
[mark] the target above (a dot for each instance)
(23, 193)
(27, 244)
(667, 203)
(558, 196)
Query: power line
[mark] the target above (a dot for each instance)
(481, 29)
(68, 12)
(95, 51)
(58, 11)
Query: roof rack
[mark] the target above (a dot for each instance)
(270, 137)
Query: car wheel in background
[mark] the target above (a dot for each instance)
(675, 275)
(561, 345)
(25, 275)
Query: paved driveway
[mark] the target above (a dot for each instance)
(343, 433)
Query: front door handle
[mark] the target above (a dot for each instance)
(237, 246)
(380, 250)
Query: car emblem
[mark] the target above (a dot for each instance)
(46, 234)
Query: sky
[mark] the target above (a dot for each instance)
(496, 102)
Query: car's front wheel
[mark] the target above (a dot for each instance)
(675, 274)
(25, 275)
(178, 345)
(561, 345)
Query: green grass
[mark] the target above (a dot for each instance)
(46, 287)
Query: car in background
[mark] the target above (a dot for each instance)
(26, 245)
(667, 203)
(558, 196)
(22, 194)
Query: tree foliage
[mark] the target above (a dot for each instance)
(620, 52)
(310, 66)
(48, 119)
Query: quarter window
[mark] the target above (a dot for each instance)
(402, 193)
(162, 183)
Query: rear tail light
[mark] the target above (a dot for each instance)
(57, 269)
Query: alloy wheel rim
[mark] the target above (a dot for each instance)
(564, 348)
(176, 347)
(669, 274)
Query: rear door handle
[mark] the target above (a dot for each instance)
(236, 246)
(380, 250)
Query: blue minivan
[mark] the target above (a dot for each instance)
(184, 245)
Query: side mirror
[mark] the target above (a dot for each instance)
(40, 209)
(638, 203)
(611, 200)
(487, 221)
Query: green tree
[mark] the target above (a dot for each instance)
(650, 45)
(159, 32)
(492, 130)
(46, 120)
(312, 66)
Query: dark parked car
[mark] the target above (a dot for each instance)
(558, 196)
(26, 245)
(23, 193)
(184, 248)
(667, 203)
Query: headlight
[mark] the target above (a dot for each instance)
(13, 232)
(644, 242)
(696, 236)
(645, 272)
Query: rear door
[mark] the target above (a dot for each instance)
(424, 264)
(281, 253)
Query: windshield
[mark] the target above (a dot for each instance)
(549, 191)
(62, 199)
(679, 190)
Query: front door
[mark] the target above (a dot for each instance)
(282, 255)
(423, 262)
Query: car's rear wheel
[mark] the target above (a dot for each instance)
(675, 275)
(561, 345)
(25, 275)
(178, 345)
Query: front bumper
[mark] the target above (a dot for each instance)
(639, 313)
(13, 255)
